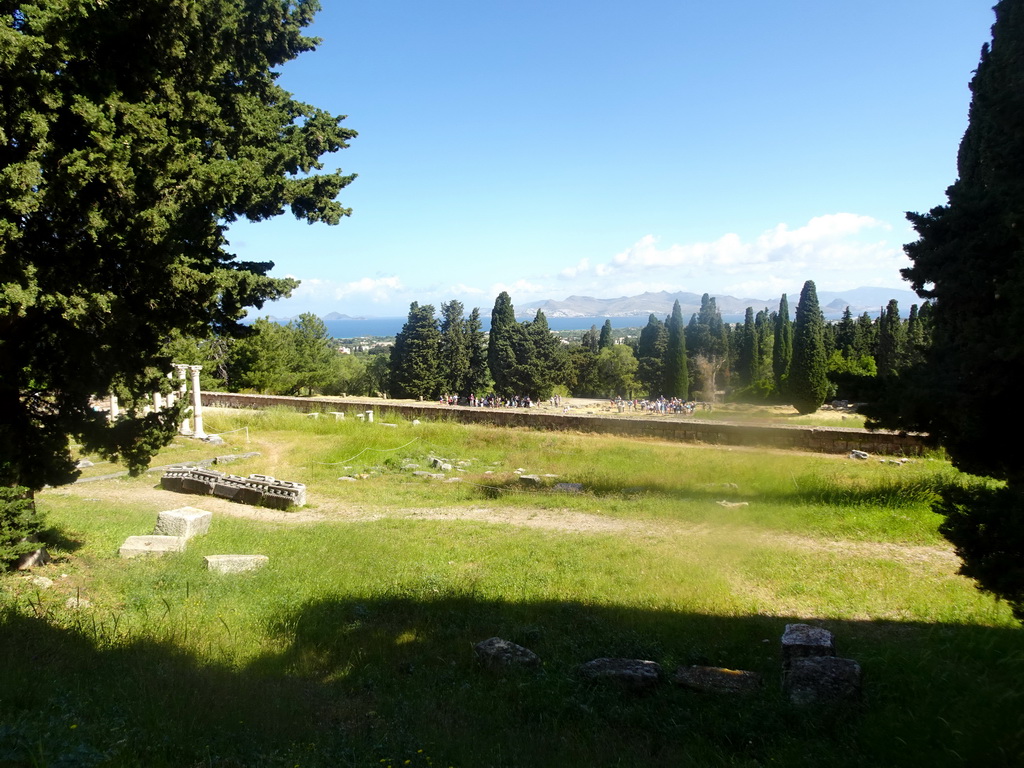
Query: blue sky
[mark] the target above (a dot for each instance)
(603, 149)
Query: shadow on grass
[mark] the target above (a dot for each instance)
(809, 489)
(374, 681)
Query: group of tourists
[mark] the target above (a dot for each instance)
(663, 405)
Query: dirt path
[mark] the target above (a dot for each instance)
(562, 521)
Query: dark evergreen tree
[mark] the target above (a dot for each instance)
(314, 353)
(454, 351)
(414, 357)
(131, 134)
(606, 339)
(592, 339)
(782, 349)
(501, 345)
(808, 379)
(748, 352)
(650, 353)
(846, 333)
(677, 377)
(539, 359)
(969, 260)
(889, 349)
(865, 336)
(764, 324)
(477, 376)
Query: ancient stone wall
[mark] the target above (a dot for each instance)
(680, 428)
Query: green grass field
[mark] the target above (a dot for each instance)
(354, 646)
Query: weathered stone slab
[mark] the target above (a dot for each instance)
(184, 522)
(495, 653)
(822, 680)
(235, 563)
(139, 546)
(717, 679)
(802, 640)
(634, 674)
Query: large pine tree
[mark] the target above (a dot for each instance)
(808, 380)
(969, 260)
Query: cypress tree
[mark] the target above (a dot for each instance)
(414, 370)
(889, 352)
(477, 376)
(606, 340)
(747, 361)
(501, 341)
(677, 377)
(453, 351)
(968, 260)
(782, 350)
(650, 352)
(808, 382)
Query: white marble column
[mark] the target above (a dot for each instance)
(158, 402)
(185, 429)
(113, 408)
(197, 403)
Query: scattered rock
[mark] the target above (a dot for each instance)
(235, 563)
(732, 504)
(215, 440)
(138, 546)
(568, 487)
(634, 674)
(822, 680)
(453, 480)
(530, 479)
(495, 653)
(185, 522)
(859, 455)
(228, 458)
(347, 479)
(410, 466)
(41, 582)
(84, 464)
(75, 603)
(717, 679)
(802, 641)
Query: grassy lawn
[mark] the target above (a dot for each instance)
(353, 647)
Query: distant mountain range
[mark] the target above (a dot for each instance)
(833, 304)
(859, 300)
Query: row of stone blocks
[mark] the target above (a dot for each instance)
(812, 674)
(257, 490)
(173, 530)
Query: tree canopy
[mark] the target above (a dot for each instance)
(132, 133)
(808, 381)
(969, 260)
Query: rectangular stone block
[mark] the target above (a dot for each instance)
(141, 546)
(197, 486)
(185, 522)
(235, 563)
(249, 495)
(802, 641)
(169, 483)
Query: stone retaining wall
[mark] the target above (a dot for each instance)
(680, 428)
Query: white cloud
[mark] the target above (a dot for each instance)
(461, 289)
(573, 272)
(377, 289)
(520, 290)
(843, 250)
